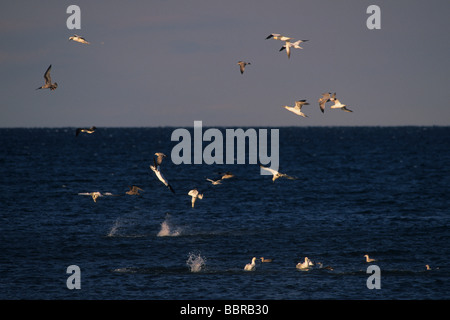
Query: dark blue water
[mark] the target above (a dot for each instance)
(377, 191)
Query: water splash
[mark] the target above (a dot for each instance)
(195, 262)
(114, 228)
(167, 230)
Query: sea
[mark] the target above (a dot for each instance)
(377, 191)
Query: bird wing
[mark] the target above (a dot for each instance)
(346, 110)
(47, 77)
(269, 169)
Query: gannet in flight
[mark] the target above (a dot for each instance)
(160, 157)
(156, 169)
(96, 195)
(339, 105)
(324, 99)
(134, 190)
(77, 38)
(369, 259)
(48, 81)
(289, 44)
(226, 175)
(214, 182)
(87, 130)
(250, 266)
(277, 174)
(195, 194)
(298, 107)
(242, 65)
(278, 36)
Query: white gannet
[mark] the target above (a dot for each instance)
(369, 259)
(250, 266)
(278, 36)
(287, 46)
(87, 130)
(214, 182)
(134, 190)
(195, 194)
(304, 265)
(323, 100)
(298, 107)
(77, 38)
(277, 174)
(339, 105)
(242, 65)
(95, 194)
(266, 260)
(48, 81)
(156, 169)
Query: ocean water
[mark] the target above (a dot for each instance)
(382, 191)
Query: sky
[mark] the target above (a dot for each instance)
(158, 63)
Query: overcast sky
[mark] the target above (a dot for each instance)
(168, 63)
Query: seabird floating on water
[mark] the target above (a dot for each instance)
(77, 38)
(298, 107)
(242, 65)
(369, 259)
(96, 194)
(250, 266)
(266, 260)
(87, 130)
(304, 265)
(156, 169)
(134, 190)
(339, 105)
(195, 194)
(48, 81)
(277, 174)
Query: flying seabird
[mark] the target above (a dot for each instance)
(369, 259)
(323, 100)
(339, 105)
(304, 265)
(289, 44)
(155, 168)
(242, 65)
(226, 175)
(195, 194)
(134, 190)
(250, 266)
(298, 107)
(77, 38)
(160, 157)
(278, 36)
(214, 182)
(48, 81)
(87, 130)
(277, 174)
(96, 194)
(266, 260)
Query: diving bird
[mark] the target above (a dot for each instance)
(339, 105)
(134, 190)
(242, 65)
(156, 169)
(289, 44)
(278, 36)
(77, 38)
(48, 81)
(277, 174)
(323, 100)
(86, 130)
(160, 157)
(297, 108)
(250, 266)
(95, 195)
(369, 259)
(195, 194)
